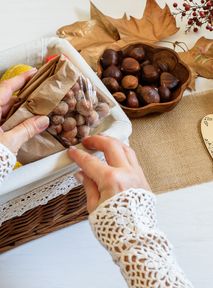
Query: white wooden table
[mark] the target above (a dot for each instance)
(72, 257)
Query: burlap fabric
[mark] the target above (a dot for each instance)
(170, 147)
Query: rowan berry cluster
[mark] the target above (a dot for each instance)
(197, 14)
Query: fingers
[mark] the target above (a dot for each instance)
(6, 108)
(90, 165)
(91, 190)
(14, 138)
(130, 155)
(111, 147)
(8, 87)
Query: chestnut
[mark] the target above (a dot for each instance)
(83, 131)
(136, 52)
(80, 120)
(69, 135)
(146, 62)
(57, 119)
(55, 129)
(132, 100)
(119, 96)
(93, 119)
(70, 100)
(61, 109)
(69, 123)
(109, 57)
(164, 67)
(129, 82)
(130, 65)
(76, 88)
(148, 94)
(102, 109)
(113, 71)
(84, 107)
(165, 93)
(150, 73)
(70, 94)
(169, 80)
(111, 84)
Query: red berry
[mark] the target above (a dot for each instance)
(194, 9)
(194, 14)
(190, 22)
(175, 5)
(202, 1)
(209, 4)
(187, 7)
(198, 23)
(195, 29)
(183, 14)
(202, 14)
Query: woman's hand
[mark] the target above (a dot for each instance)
(14, 138)
(103, 180)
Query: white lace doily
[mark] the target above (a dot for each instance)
(38, 196)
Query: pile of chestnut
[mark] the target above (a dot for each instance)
(77, 113)
(134, 80)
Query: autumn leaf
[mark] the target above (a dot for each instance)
(200, 58)
(84, 34)
(92, 37)
(156, 23)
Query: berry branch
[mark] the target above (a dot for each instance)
(197, 14)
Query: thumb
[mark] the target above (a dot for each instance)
(17, 136)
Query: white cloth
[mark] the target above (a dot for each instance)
(126, 225)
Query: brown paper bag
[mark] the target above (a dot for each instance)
(39, 97)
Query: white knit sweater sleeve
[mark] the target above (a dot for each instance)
(126, 225)
(7, 162)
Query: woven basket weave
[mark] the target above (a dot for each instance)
(57, 213)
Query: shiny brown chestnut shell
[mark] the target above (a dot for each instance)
(113, 71)
(109, 57)
(130, 65)
(111, 84)
(132, 100)
(169, 80)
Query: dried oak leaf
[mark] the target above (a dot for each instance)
(200, 59)
(84, 34)
(156, 23)
(92, 37)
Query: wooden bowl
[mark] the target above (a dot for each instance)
(176, 67)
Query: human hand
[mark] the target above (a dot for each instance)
(103, 180)
(14, 138)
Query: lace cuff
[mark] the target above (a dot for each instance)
(7, 162)
(126, 225)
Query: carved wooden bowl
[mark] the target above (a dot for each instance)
(176, 67)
